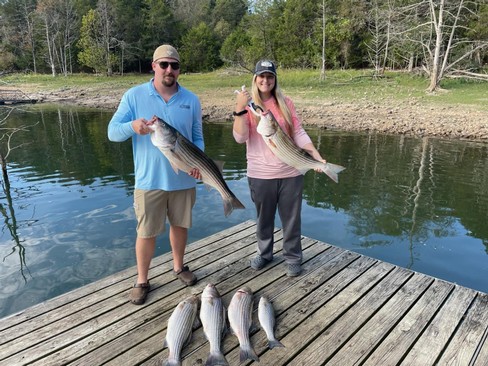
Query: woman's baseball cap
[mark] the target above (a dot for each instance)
(265, 66)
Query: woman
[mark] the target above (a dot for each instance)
(273, 184)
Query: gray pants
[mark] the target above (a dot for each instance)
(286, 196)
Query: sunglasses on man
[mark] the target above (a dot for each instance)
(164, 65)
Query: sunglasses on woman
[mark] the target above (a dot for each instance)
(165, 64)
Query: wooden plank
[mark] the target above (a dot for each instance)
(482, 355)
(463, 346)
(435, 337)
(404, 334)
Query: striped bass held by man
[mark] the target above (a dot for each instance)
(184, 155)
(287, 151)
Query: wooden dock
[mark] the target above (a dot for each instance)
(346, 309)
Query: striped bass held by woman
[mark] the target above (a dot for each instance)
(287, 151)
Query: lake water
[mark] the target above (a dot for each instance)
(67, 217)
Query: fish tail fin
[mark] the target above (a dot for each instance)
(248, 353)
(216, 359)
(171, 362)
(275, 343)
(231, 204)
(332, 170)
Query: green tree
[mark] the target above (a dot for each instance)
(19, 34)
(263, 26)
(236, 49)
(160, 26)
(200, 49)
(91, 50)
(298, 47)
(98, 39)
(226, 15)
(129, 30)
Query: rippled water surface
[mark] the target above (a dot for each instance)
(67, 217)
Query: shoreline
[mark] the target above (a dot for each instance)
(406, 118)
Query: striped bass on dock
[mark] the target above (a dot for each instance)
(240, 319)
(179, 330)
(267, 320)
(212, 316)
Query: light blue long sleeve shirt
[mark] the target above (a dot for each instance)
(183, 111)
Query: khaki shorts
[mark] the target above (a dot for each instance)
(152, 208)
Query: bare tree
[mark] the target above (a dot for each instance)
(107, 40)
(442, 35)
(376, 46)
(441, 61)
(50, 18)
(60, 22)
(322, 68)
(28, 14)
(69, 23)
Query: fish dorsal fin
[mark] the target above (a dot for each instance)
(220, 165)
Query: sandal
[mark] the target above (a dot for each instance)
(138, 293)
(186, 276)
(258, 262)
(293, 269)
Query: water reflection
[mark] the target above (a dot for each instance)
(68, 218)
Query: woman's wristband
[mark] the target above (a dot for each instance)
(244, 111)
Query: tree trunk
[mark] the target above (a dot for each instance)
(322, 70)
(434, 75)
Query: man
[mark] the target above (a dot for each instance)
(159, 192)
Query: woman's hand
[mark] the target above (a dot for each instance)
(242, 99)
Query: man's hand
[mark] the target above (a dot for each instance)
(195, 173)
(140, 126)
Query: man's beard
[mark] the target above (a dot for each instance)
(168, 82)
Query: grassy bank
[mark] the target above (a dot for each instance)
(340, 86)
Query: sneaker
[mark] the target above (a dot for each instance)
(258, 262)
(186, 276)
(138, 293)
(293, 270)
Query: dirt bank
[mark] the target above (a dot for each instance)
(410, 118)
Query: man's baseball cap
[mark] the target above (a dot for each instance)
(265, 66)
(167, 51)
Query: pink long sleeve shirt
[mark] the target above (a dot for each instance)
(261, 162)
